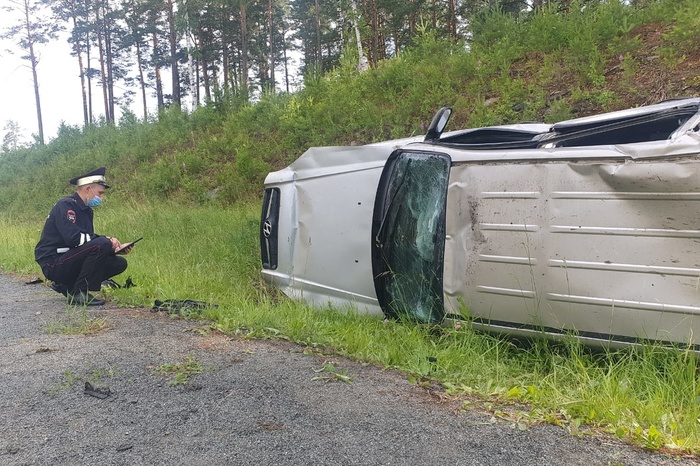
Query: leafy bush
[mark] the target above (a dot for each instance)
(684, 33)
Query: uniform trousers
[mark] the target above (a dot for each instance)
(84, 268)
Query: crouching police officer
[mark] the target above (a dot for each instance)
(70, 253)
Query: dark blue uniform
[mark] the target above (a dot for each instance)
(70, 253)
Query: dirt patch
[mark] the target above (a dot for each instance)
(248, 402)
(647, 74)
(644, 74)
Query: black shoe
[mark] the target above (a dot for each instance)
(60, 288)
(84, 299)
(109, 283)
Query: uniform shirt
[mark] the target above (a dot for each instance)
(69, 225)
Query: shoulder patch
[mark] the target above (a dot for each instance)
(70, 215)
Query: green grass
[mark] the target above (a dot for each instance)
(77, 321)
(200, 253)
(94, 375)
(648, 395)
(180, 373)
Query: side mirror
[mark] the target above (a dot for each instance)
(437, 126)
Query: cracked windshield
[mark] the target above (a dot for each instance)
(412, 238)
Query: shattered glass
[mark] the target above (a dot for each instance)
(412, 237)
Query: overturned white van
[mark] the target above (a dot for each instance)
(588, 226)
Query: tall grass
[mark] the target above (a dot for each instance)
(647, 395)
(203, 253)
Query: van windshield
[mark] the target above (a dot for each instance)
(409, 236)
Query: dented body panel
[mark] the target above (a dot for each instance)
(549, 237)
(606, 245)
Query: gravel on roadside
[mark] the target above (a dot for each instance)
(254, 402)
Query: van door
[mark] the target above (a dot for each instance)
(408, 232)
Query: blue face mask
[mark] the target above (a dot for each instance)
(94, 202)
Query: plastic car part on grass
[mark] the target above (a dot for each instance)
(187, 308)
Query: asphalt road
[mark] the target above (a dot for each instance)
(256, 402)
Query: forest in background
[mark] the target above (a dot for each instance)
(492, 62)
(213, 50)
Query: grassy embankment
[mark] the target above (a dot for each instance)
(190, 185)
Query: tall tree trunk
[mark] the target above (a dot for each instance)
(173, 53)
(198, 79)
(362, 60)
(215, 83)
(226, 65)
(191, 60)
(397, 44)
(142, 81)
(412, 21)
(78, 49)
(192, 69)
(100, 46)
(205, 78)
(156, 67)
(375, 32)
(83, 90)
(204, 64)
(370, 11)
(271, 26)
(33, 61)
(37, 98)
(88, 49)
(109, 53)
(319, 55)
(235, 70)
(284, 54)
(244, 51)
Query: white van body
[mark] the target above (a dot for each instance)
(587, 227)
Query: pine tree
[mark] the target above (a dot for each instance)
(31, 30)
(11, 140)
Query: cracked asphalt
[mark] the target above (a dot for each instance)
(255, 402)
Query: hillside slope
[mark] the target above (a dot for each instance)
(546, 66)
